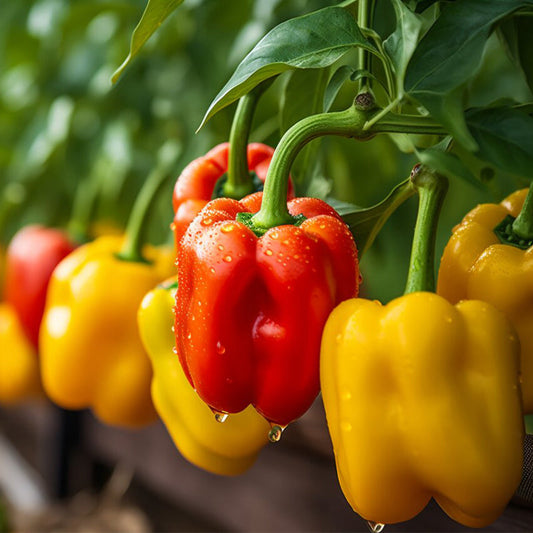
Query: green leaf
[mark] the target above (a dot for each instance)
(334, 85)
(517, 34)
(316, 40)
(505, 138)
(450, 53)
(447, 164)
(155, 13)
(366, 223)
(401, 44)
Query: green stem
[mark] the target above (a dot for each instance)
(83, 209)
(135, 234)
(363, 16)
(431, 188)
(348, 123)
(391, 123)
(389, 75)
(239, 183)
(523, 224)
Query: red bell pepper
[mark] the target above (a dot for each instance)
(31, 257)
(196, 184)
(250, 310)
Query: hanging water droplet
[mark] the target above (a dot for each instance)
(375, 527)
(220, 417)
(207, 221)
(220, 247)
(269, 252)
(274, 435)
(212, 270)
(227, 229)
(221, 349)
(228, 259)
(274, 235)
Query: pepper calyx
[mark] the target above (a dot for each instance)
(224, 190)
(504, 232)
(247, 219)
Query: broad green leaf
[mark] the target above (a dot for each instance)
(450, 53)
(517, 34)
(316, 40)
(447, 164)
(154, 15)
(401, 44)
(505, 138)
(366, 222)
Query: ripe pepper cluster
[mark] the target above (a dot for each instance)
(401, 383)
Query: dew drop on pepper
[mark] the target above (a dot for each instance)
(221, 349)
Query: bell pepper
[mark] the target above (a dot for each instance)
(226, 449)
(197, 184)
(422, 397)
(91, 353)
(250, 310)
(19, 367)
(477, 265)
(31, 258)
(423, 400)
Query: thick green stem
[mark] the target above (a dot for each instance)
(364, 16)
(83, 209)
(239, 183)
(274, 211)
(431, 188)
(391, 123)
(523, 224)
(135, 230)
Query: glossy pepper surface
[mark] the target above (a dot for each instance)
(195, 186)
(423, 400)
(32, 255)
(227, 449)
(476, 265)
(91, 353)
(250, 310)
(19, 367)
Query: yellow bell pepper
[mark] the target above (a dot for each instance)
(476, 265)
(422, 400)
(19, 366)
(91, 353)
(227, 449)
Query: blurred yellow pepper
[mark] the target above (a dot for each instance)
(229, 448)
(422, 400)
(476, 265)
(91, 353)
(19, 366)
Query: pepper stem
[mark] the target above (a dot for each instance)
(348, 123)
(239, 182)
(431, 188)
(83, 209)
(135, 230)
(523, 224)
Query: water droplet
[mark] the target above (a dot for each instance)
(338, 338)
(228, 259)
(322, 226)
(220, 247)
(269, 252)
(512, 338)
(221, 349)
(280, 254)
(212, 270)
(375, 527)
(286, 241)
(175, 350)
(227, 229)
(346, 426)
(189, 336)
(274, 435)
(207, 221)
(274, 235)
(448, 320)
(219, 416)
(296, 256)
(173, 329)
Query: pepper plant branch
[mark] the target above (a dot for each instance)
(348, 123)
(523, 224)
(363, 17)
(431, 188)
(392, 123)
(382, 55)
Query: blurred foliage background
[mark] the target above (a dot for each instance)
(64, 129)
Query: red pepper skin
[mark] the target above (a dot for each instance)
(250, 310)
(195, 185)
(31, 257)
